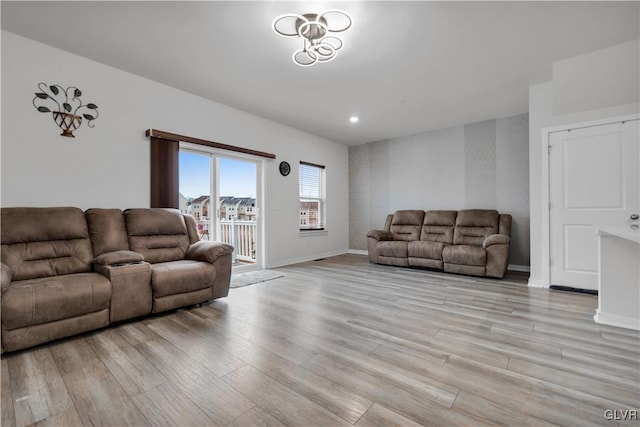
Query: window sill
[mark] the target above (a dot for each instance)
(313, 232)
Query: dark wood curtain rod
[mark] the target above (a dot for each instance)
(175, 137)
(312, 164)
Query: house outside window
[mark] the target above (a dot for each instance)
(312, 197)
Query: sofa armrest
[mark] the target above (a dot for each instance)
(5, 279)
(495, 239)
(380, 235)
(208, 251)
(373, 237)
(119, 258)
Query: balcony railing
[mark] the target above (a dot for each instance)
(239, 234)
(242, 236)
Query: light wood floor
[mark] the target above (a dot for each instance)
(341, 342)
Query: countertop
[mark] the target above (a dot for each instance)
(624, 232)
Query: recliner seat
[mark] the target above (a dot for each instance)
(65, 271)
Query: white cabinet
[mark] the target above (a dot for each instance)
(618, 276)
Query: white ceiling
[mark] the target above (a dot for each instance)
(406, 67)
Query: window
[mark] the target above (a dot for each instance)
(312, 197)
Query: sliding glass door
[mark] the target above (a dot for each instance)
(221, 192)
(195, 189)
(237, 214)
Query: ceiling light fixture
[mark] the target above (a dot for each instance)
(313, 28)
(354, 119)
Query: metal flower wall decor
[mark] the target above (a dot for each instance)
(66, 107)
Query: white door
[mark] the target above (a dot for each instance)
(593, 180)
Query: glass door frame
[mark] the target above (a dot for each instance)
(214, 195)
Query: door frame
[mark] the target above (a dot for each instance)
(260, 192)
(545, 212)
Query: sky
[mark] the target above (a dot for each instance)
(237, 177)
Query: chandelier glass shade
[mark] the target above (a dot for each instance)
(319, 44)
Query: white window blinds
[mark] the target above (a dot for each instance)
(312, 196)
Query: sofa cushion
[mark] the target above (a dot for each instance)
(472, 270)
(208, 251)
(421, 249)
(168, 278)
(504, 227)
(495, 239)
(19, 338)
(5, 278)
(380, 235)
(118, 258)
(44, 242)
(465, 255)
(426, 263)
(438, 226)
(43, 300)
(160, 235)
(391, 248)
(406, 225)
(192, 228)
(391, 260)
(107, 230)
(473, 225)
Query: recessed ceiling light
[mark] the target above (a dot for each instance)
(354, 119)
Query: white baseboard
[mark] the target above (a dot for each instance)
(619, 321)
(536, 283)
(516, 267)
(358, 252)
(290, 261)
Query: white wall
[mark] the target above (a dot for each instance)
(542, 99)
(480, 165)
(600, 79)
(108, 166)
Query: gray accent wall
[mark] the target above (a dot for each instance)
(359, 205)
(482, 165)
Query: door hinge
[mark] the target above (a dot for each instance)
(548, 149)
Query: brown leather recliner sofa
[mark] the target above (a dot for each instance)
(65, 271)
(472, 241)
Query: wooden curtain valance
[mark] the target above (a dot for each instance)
(165, 147)
(181, 138)
(312, 164)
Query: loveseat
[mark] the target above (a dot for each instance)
(471, 241)
(65, 271)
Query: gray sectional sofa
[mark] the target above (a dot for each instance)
(471, 241)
